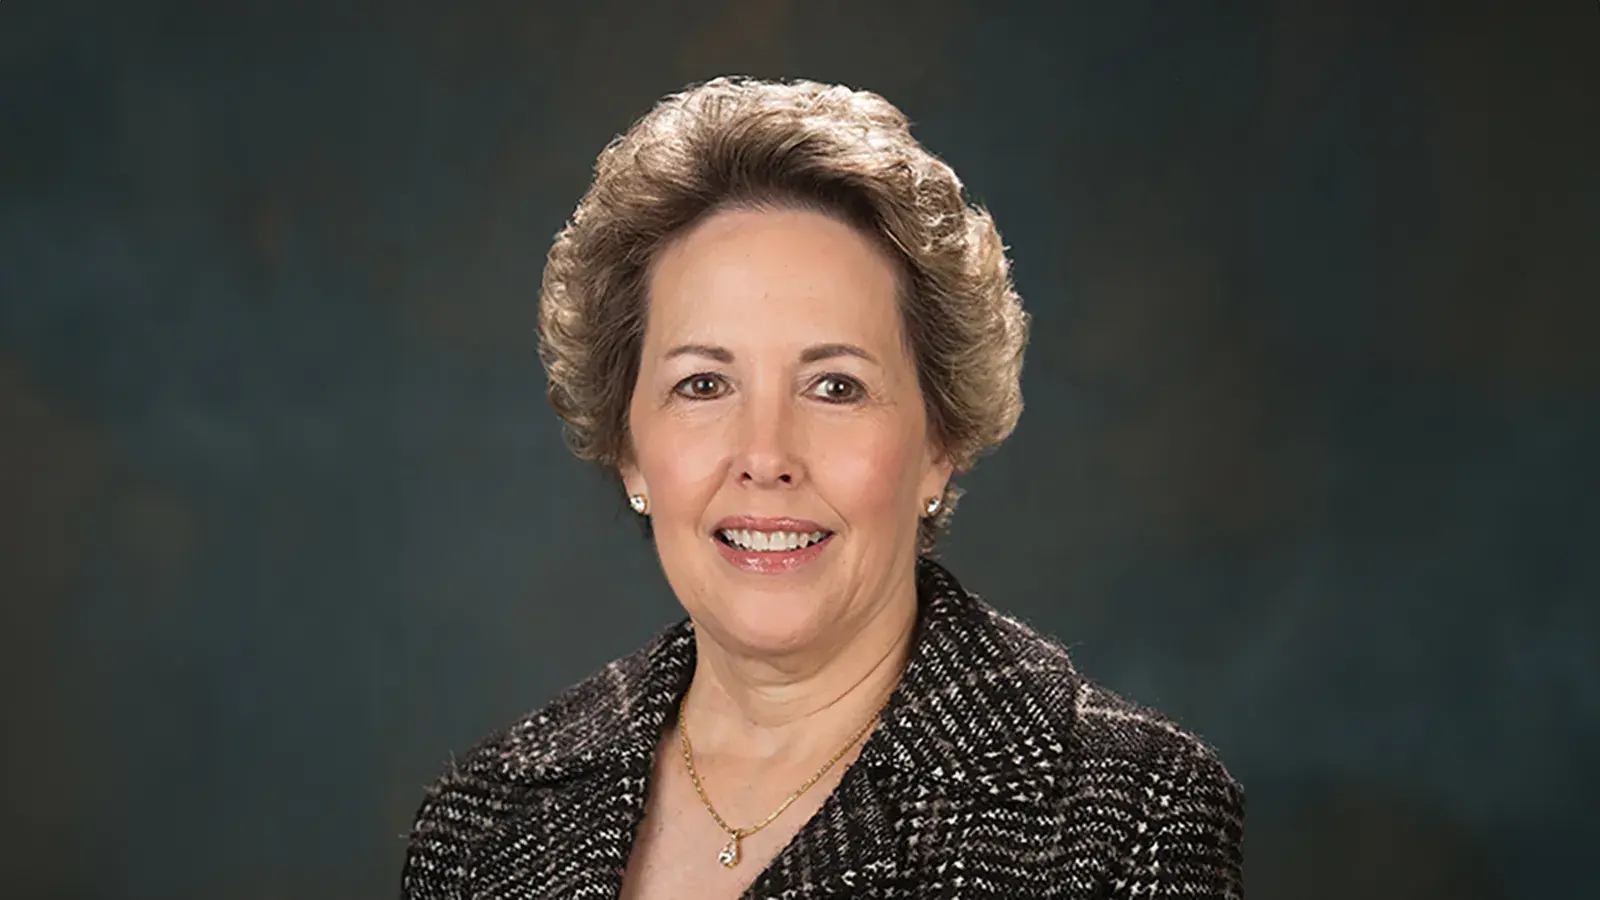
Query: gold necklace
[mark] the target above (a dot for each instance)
(729, 857)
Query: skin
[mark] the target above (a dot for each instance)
(775, 380)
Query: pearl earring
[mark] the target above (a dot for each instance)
(639, 503)
(933, 504)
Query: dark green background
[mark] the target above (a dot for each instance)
(1308, 460)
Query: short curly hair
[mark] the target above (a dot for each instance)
(739, 143)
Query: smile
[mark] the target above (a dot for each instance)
(770, 546)
(769, 541)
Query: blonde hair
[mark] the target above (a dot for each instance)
(743, 143)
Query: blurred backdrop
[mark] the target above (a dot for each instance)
(1309, 460)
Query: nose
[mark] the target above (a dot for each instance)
(768, 455)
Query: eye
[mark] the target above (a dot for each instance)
(836, 388)
(701, 386)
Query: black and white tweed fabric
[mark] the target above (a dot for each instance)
(996, 772)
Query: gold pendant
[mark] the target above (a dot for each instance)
(729, 857)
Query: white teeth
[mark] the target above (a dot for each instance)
(771, 541)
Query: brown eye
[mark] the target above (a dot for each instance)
(703, 386)
(839, 389)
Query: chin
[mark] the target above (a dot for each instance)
(774, 635)
(768, 621)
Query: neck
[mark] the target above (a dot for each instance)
(760, 708)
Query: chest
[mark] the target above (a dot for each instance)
(865, 835)
(676, 849)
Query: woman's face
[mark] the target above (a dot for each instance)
(778, 430)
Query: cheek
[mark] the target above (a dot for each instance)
(870, 473)
(682, 466)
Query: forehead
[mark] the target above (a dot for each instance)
(773, 276)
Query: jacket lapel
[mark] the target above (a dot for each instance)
(599, 779)
(854, 846)
(956, 749)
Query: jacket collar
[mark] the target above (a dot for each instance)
(963, 649)
(976, 715)
(968, 703)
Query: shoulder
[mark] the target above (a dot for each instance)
(1002, 678)
(1186, 831)
(981, 677)
(580, 729)
(1126, 749)
(1105, 729)
(1156, 797)
(576, 727)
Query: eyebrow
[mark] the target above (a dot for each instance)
(814, 353)
(709, 351)
(820, 352)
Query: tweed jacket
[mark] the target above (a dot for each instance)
(996, 771)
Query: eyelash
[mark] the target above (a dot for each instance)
(683, 388)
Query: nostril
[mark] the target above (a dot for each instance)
(749, 476)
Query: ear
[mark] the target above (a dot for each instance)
(936, 473)
(632, 479)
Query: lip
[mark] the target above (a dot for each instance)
(760, 523)
(770, 562)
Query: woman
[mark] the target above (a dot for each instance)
(777, 320)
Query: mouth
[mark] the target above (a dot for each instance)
(753, 541)
(770, 545)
